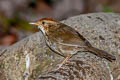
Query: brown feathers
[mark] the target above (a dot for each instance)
(48, 19)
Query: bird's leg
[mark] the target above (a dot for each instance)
(64, 61)
(83, 51)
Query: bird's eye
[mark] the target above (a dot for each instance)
(43, 22)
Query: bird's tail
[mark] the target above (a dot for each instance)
(101, 53)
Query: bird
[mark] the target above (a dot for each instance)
(66, 41)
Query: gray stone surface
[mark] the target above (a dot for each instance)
(30, 59)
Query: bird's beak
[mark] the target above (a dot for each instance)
(36, 24)
(33, 23)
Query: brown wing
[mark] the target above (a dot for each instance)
(68, 36)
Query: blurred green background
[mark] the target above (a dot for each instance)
(16, 14)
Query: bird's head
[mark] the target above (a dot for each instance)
(44, 24)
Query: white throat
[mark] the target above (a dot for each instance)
(41, 28)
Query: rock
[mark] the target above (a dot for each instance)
(31, 59)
